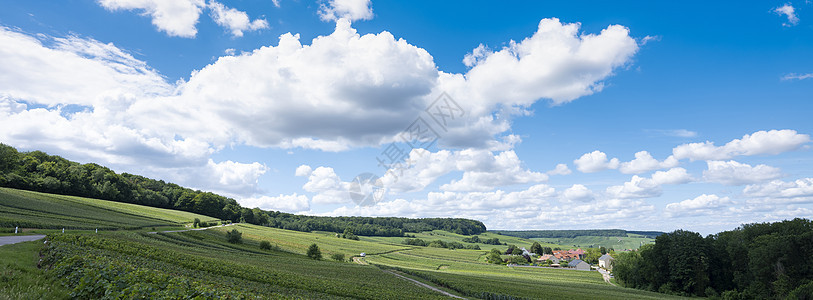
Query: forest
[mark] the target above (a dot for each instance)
(754, 261)
(529, 234)
(38, 171)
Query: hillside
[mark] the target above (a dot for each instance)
(609, 238)
(133, 262)
(38, 171)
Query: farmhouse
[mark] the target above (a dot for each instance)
(579, 264)
(546, 257)
(606, 262)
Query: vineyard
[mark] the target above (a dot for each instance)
(130, 262)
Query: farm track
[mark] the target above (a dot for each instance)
(13, 239)
(397, 274)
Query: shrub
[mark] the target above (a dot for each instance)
(314, 252)
(265, 245)
(196, 223)
(234, 236)
(337, 256)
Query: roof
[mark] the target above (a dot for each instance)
(606, 257)
(575, 262)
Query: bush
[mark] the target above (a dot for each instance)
(234, 237)
(337, 257)
(196, 223)
(314, 252)
(265, 245)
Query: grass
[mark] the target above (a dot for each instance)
(131, 263)
(21, 279)
(28, 209)
(631, 241)
(298, 242)
(459, 271)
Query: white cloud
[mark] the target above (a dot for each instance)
(561, 169)
(234, 20)
(348, 9)
(502, 169)
(578, 193)
(482, 170)
(736, 173)
(557, 62)
(595, 161)
(72, 70)
(760, 142)
(303, 170)
(642, 187)
(793, 76)
(650, 38)
(800, 188)
(176, 18)
(329, 188)
(644, 162)
(790, 12)
(180, 17)
(703, 204)
(287, 203)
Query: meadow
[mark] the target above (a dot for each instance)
(27, 209)
(129, 262)
(631, 241)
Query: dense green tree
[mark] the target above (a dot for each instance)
(234, 236)
(537, 248)
(314, 252)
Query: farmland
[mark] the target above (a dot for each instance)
(631, 241)
(133, 263)
(41, 210)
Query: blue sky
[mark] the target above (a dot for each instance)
(280, 104)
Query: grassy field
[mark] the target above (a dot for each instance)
(465, 272)
(29, 209)
(131, 263)
(453, 237)
(631, 241)
(298, 242)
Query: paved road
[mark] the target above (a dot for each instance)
(13, 239)
(424, 285)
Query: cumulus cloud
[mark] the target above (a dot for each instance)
(346, 9)
(234, 20)
(595, 161)
(287, 203)
(482, 170)
(644, 162)
(736, 173)
(700, 205)
(180, 17)
(578, 193)
(642, 187)
(777, 191)
(561, 169)
(327, 186)
(760, 142)
(343, 90)
(557, 62)
(790, 12)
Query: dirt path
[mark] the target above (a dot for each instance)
(13, 239)
(423, 284)
(359, 260)
(606, 276)
(194, 229)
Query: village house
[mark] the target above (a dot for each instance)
(579, 264)
(606, 262)
(547, 257)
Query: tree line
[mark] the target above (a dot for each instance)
(754, 261)
(529, 234)
(38, 171)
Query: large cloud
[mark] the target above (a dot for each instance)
(595, 161)
(700, 205)
(760, 142)
(347, 9)
(736, 173)
(642, 187)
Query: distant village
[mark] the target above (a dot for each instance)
(576, 259)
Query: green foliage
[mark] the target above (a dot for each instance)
(575, 233)
(234, 237)
(314, 252)
(337, 256)
(196, 223)
(762, 260)
(493, 257)
(537, 248)
(265, 245)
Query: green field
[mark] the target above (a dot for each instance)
(29, 209)
(631, 241)
(129, 262)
